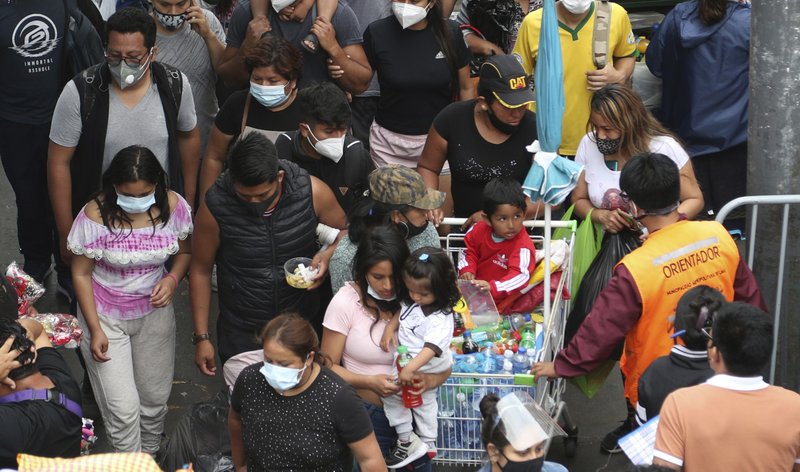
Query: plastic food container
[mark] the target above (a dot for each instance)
(299, 273)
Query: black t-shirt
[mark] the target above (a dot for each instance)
(413, 74)
(229, 118)
(38, 427)
(346, 178)
(474, 161)
(31, 39)
(307, 432)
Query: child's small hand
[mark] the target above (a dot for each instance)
(389, 340)
(482, 284)
(467, 276)
(406, 377)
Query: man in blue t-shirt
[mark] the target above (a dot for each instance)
(339, 38)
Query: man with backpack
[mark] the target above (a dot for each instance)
(597, 46)
(127, 99)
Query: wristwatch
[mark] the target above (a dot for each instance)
(197, 338)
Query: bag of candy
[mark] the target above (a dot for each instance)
(29, 291)
(62, 329)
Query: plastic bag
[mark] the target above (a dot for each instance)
(62, 329)
(614, 248)
(29, 291)
(588, 240)
(480, 304)
(201, 437)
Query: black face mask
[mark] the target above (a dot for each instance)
(502, 127)
(533, 465)
(608, 147)
(410, 230)
(260, 207)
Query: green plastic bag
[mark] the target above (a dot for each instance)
(590, 383)
(588, 238)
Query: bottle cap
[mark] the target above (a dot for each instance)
(467, 334)
(402, 349)
(521, 350)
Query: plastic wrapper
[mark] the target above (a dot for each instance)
(480, 304)
(88, 438)
(62, 329)
(201, 437)
(614, 248)
(29, 291)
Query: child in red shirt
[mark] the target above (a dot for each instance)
(500, 255)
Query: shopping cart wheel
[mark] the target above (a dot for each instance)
(571, 442)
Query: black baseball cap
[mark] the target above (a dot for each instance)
(507, 80)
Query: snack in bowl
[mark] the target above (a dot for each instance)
(299, 273)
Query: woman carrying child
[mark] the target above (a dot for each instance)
(355, 321)
(424, 325)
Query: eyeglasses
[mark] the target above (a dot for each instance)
(114, 59)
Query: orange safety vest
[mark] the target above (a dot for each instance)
(670, 262)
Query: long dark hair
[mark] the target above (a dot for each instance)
(433, 264)
(712, 11)
(444, 36)
(130, 165)
(296, 334)
(690, 306)
(383, 243)
(492, 429)
(366, 214)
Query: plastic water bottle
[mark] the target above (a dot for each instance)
(520, 361)
(488, 366)
(531, 355)
(516, 321)
(469, 346)
(410, 400)
(470, 364)
(447, 401)
(528, 340)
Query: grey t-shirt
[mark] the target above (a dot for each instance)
(144, 124)
(341, 265)
(315, 68)
(187, 51)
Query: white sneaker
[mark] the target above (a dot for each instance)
(404, 453)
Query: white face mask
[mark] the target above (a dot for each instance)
(576, 7)
(332, 148)
(279, 5)
(371, 291)
(409, 15)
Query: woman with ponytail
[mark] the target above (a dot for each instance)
(702, 53)
(523, 453)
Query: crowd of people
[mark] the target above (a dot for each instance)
(218, 142)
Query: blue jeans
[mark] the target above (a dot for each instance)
(387, 438)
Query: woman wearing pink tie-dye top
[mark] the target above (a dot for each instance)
(121, 240)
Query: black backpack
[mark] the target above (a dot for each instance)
(83, 47)
(492, 18)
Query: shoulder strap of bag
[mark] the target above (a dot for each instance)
(600, 34)
(87, 92)
(48, 395)
(244, 114)
(174, 81)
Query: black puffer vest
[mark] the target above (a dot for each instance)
(252, 250)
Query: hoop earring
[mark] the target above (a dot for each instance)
(406, 229)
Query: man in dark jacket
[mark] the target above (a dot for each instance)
(258, 214)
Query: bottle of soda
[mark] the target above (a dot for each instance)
(528, 339)
(469, 346)
(458, 324)
(410, 400)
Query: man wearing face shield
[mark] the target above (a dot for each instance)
(323, 147)
(191, 38)
(582, 74)
(257, 215)
(127, 99)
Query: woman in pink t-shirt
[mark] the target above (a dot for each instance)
(354, 324)
(121, 240)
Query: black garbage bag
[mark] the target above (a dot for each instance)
(201, 437)
(613, 249)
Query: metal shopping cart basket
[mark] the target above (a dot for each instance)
(459, 436)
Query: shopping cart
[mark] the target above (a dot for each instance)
(459, 436)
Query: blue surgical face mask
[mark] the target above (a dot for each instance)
(136, 204)
(269, 95)
(282, 378)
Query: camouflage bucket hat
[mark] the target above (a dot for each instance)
(403, 186)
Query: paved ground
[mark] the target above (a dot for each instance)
(595, 417)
